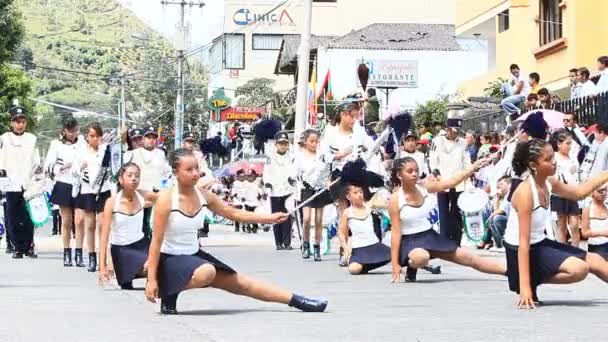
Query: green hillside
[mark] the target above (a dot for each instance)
(75, 50)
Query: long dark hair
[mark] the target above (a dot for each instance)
(122, 171)
(526, 153)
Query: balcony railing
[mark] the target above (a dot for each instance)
(589, 110)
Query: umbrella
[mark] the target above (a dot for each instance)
(223, 172)
(554, 119)
(247, 166)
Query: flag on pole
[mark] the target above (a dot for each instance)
(312, 98)
(326, 92)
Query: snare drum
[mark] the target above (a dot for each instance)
(472, 204)
(39, 209)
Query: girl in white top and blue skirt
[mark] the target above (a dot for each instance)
(413, 240)
(176, 262)
(595, 223)
(365, 252)
(533, 259)
(95, 185)
(122, 222)
(62, 154)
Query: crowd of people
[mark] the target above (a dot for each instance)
(396, 196)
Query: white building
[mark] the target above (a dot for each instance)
(254, 31)
(422, 60)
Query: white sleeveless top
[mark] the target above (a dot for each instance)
(597, 224)
(416, 219)
(127, 228)
(541, 217)
(362, 230)
(180, 234)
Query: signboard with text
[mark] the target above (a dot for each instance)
(391, 73)
(242, 113)
(264, 18)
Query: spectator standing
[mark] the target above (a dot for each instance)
(515, 91)
(500, 206)
(572, 76)
(600, 161)
(602, 66)
(584, 86)
(472, 146)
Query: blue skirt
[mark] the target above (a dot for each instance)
(320, 201)
(428, 240)
(599, 249)
(175, 271)
(564, 206)
(372, 256)
(90, 202)
(129, 260)
(545, 258)
(62, 195)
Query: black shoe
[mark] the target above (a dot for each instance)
(127, 286)
(306, 250)
(410, 274)
(78, 257)
(279, 247)
(317, 252)
(342, 261)
(92, 262)
(168, 305)
(307, 304)
(433, 269)
(17, 255)
(9, 248)
(31, 254)
(67, 257)
(287, 247)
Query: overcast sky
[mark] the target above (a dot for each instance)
(206, 23)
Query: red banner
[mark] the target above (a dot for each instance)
(242, 113)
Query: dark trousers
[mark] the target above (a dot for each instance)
(145, 228)
(8, 234)
(56, 222)
(282, 231)
(18, 222)
(250, 225)
(450, 219)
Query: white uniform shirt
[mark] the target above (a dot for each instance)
(420, 159)
(87, 166)
(153, 167)
(277, 172)
(585, 89)
(602, 84)
(62, 155)
(334, 142)
(19, 156)
(450, 157)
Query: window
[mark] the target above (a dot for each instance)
(267, 41)
(550, 21)
(216, 63)
(234, 51)
(503, 21)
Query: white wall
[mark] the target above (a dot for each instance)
(439, 72)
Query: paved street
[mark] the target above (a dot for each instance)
(43, 301)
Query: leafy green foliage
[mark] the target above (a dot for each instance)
(11, 30)
(259, 92)
(494, 88)
(432, 111)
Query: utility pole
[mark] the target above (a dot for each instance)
(303, 71)
(183, 32)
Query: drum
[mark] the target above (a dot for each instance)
(472, 204)
(39, 209)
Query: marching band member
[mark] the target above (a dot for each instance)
(595, 223)
(413, 240)
(365, 251)
(122, 219)
(176, 261)
(280, 176)
(449, 157)
(251, 193)
(532, 258)
(237, 195)
(310, 169)
(59, 161)
(19, 157)
(153, 165)
(567, 171)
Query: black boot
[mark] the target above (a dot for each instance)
(410, 274)
(127, 285)
(307, 304)
(92, 262)
(168, 305)
(317, 252)
(30, 253)
(67, 257)
(78, 257)
(306, 250)
(9, 247)
(433, 269)
(17, 255)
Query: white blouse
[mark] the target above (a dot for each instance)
(416, 219)
(127, 228)
(63, 154)
(180, 234)
(362, 230)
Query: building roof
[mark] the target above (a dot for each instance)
(289, 51)
(399, 36)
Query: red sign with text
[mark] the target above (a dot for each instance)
(242, 113)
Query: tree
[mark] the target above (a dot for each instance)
(12, 30)
(257, 92)
(435, 110)
(494, 88)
